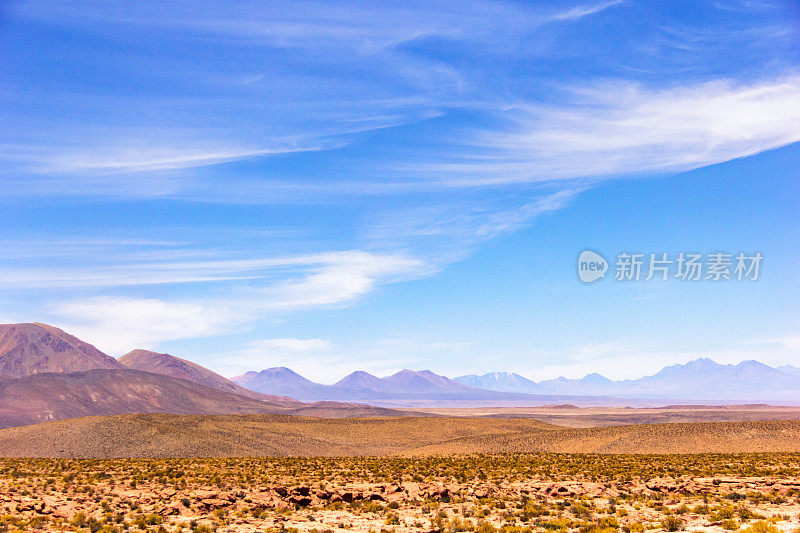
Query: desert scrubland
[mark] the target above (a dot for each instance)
(589, 493)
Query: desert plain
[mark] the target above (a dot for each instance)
(753, 493)
(154, 443)
(173, 473)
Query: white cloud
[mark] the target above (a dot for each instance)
(131, 159)
(120, 324)
(288, 344)
(448, 232)
(342, 277)
(578, 12)
(309, 357)
(620, 128)
(235, 113)
(791, 343)
(117, 325)
(311, 279)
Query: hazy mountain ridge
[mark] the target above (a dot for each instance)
(789, 369)
(701, 379)
(500, 381)
(282, 379)
(406, 387)
(698, 380)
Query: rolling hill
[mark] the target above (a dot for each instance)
(50, 396)
(159, 435)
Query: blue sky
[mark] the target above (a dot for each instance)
(380, 186)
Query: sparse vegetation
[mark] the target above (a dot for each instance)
(511, 493)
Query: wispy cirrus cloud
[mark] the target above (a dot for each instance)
(400, 70)
(608, 129)
(342, 277)
(137, 160)
(446, 233)
(417, 131)
(117, 323)
(620, 128)
(578, 12)
(338, 275)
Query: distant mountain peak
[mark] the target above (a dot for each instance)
(500, 382)
(359, 379)
(281, 371)
(277, 380)
(594, 377)
(703, 361)
(753, 363)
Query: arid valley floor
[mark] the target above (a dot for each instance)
(757, 493)
(249, 473)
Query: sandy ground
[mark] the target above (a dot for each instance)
(586, 417)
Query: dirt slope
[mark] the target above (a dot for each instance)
(704, 437)
(169, 365)
(44, 397)
(584, 417)
(278, 435)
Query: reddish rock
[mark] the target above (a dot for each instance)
(215, 503)
(204, 494)
(299, 501)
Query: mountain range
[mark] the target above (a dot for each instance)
(47, 374)
(701, 379)
(406, 388)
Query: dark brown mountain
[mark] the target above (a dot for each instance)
(169, 365)
(50, 396)
(27, 349)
